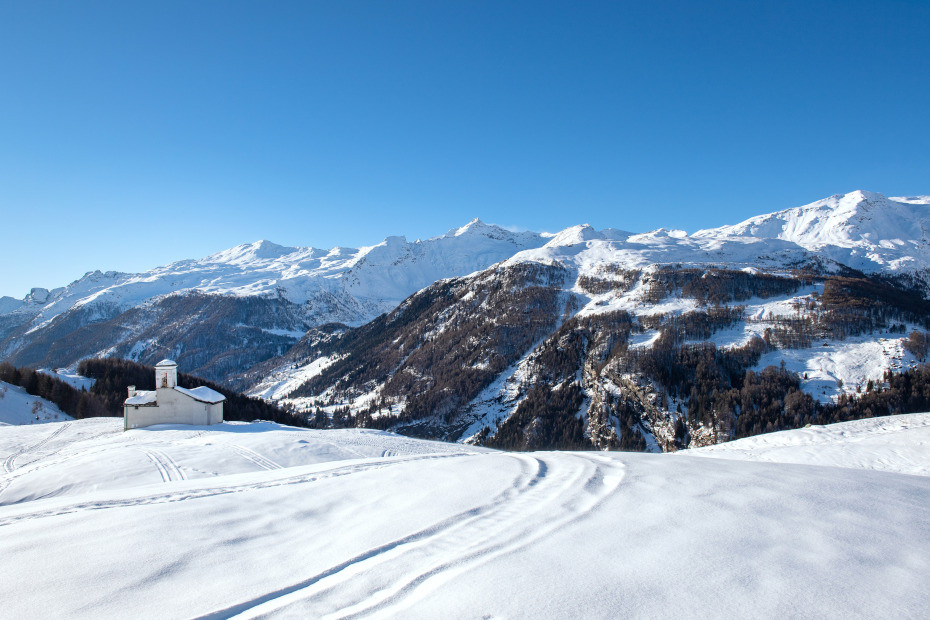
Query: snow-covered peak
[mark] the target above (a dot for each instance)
(396, 268)
(476, 226)
(865, 230)
(477, 229)
(843, 220)
(250, 252)
(574, 235)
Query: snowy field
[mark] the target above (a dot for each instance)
(254, 520)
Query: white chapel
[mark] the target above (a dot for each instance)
(170, 404)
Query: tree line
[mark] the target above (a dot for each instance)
(74, 402)
(112, 377)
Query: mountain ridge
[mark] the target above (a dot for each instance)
(810, 227)
(635, 341)
(258, 297)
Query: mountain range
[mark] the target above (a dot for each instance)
(448, 337)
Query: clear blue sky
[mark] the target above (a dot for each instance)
(137, 133)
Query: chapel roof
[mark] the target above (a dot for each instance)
(203, 394)
(142, 398)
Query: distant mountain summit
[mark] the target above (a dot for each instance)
(864, 230)
(249, 253)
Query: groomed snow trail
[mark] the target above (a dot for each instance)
(551, 492)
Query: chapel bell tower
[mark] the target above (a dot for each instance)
(166, 374)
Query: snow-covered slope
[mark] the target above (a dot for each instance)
(259, 520)
(73, 379)
(588, 249)
(899, 443)
(17, 407)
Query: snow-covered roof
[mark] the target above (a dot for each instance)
(203, 394)
(166, 362)
(142, 398)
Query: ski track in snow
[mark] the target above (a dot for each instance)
(50, 460)
(255, 457)
(8, 464)
(214, 490)
(167, 468)
(545, 496)
(53, 458)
